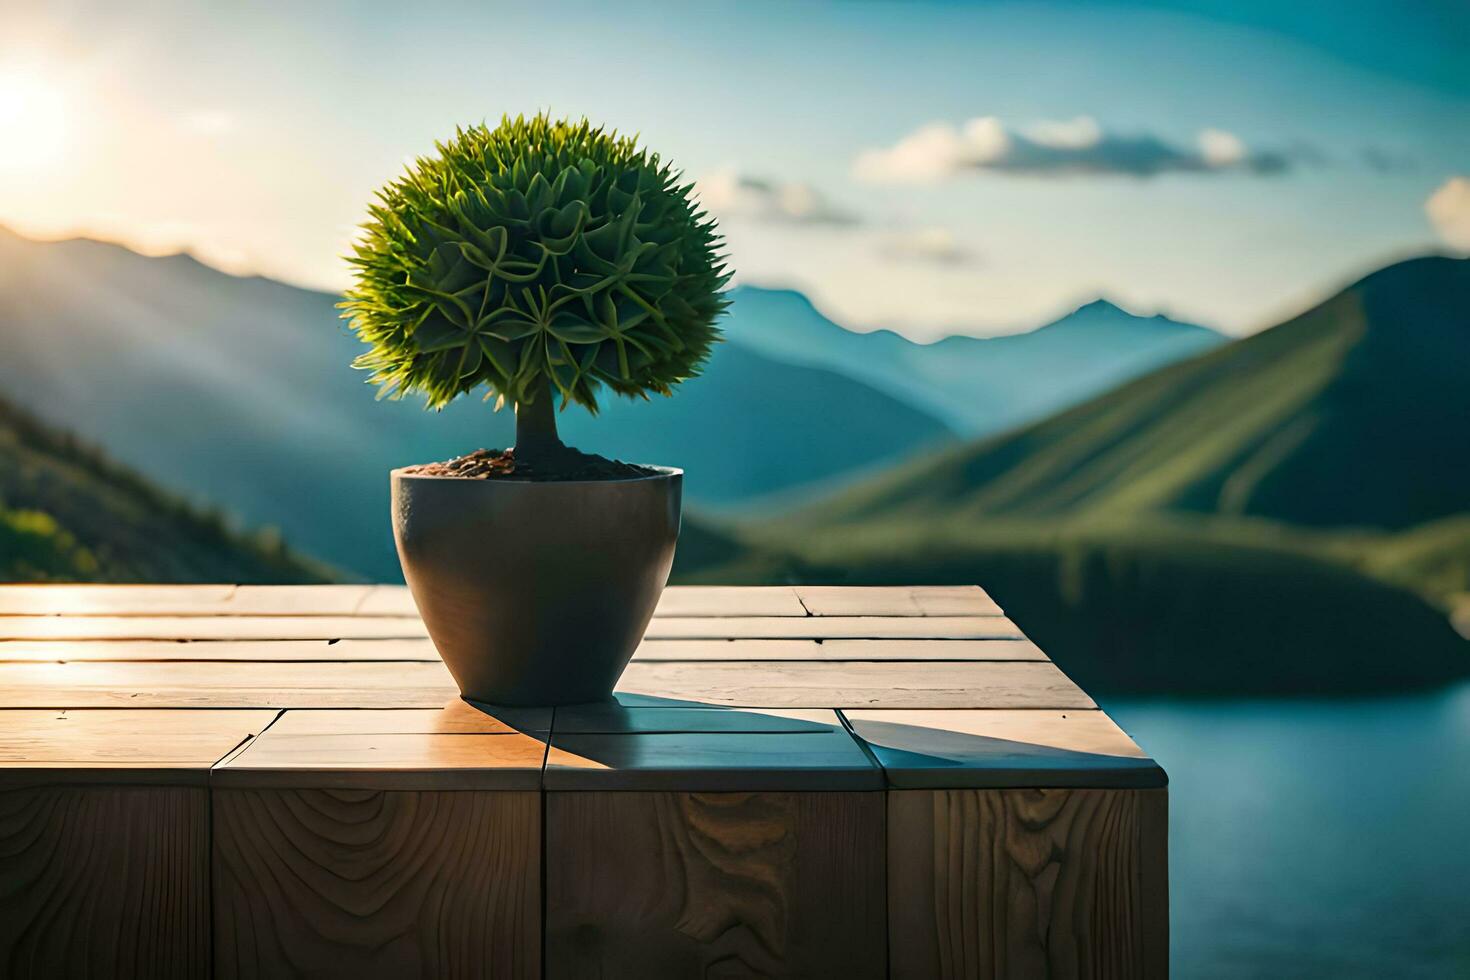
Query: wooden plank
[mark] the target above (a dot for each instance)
(131, 738)
(455, 718)
(989, 749)
(110, 600)
(715, 650)
(297, 600)
(1017, 883)
(904, 600)
(387, 760)
(226, 685)
(365, 883)
(833, 627)
(706, 762)
(209, 627)
(1153, 844)
(396, 601)
(387, 628)
(930, 650)
(104, 882)
(677, 600)
(1002, 684)
(388, 600)
(423, 650)
(259, 651)
(714, 884)
(619, 719)
(183, 600)
(727, 601)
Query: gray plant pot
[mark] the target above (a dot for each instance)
(536, 593)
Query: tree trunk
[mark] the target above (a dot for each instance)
(536, 436)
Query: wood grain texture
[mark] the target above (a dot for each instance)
(329, 627)
(831, 628)
(1153, 834)
(337, 600)
(456, 718)
(612, 718)
(225, 685)
(924, 749)
(960, 684)
(422, 650)
(371, 884)
(1020, 883)
(725, 600)
(247, 651)
(897, 600)
(182, 600)
(387, 760)
(211, 627)
(384, 827)
(828, 649)
(643, 885)
(104, 882)
(1000, 684)
(100, 738)
(109, 600)
(710, 762)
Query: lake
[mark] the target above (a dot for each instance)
(1325, 838)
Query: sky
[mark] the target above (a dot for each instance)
(930, 167)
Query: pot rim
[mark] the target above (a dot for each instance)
(663, 473)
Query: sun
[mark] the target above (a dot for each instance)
(34, 129)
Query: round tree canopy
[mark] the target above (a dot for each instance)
(537, 253)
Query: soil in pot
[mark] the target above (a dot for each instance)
(502, 464)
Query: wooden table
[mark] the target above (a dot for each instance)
(802, 782)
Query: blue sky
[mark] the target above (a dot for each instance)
(929, 166)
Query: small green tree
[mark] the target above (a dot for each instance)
(539, 259)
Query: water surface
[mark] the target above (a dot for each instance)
(1316, 838)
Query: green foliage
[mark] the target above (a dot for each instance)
(540, 250)
(1433, 558)
(68, 513)
(33, 547)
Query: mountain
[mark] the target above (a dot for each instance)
(67, 513)
(979, 385)
(1354, 413)
(1286, 514)
(238, 391)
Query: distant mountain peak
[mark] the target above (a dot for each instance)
(1103, 305)
(1104, 310)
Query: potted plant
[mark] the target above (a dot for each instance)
(546, 262)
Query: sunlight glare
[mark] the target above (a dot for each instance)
(33, 122)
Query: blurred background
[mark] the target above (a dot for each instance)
(1152, 318)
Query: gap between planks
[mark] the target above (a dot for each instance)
(422, 651)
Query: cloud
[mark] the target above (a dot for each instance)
(1066, 147)
(733, 195)
(1448, 209)
(934, 245)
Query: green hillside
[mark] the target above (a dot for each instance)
(1287, 514)
(1352, 414)
(69, 514)
(1194, 606)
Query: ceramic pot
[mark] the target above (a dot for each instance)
(536, 593)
